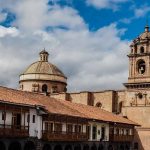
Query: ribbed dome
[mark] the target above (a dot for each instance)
(43, 67)
(43, 70)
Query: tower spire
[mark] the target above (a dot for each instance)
(147, 26)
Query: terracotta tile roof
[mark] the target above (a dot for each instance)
(59, 106)
(98, 114)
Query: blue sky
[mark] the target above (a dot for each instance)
(87, 39)
(124, 14)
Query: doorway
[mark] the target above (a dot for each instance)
(94, 131)
(16, 121)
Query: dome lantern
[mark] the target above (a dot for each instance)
(44, 55)
(147, 28)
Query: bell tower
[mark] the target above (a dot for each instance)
(139, 62)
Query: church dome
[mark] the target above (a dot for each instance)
(43, 67)
(42, 73)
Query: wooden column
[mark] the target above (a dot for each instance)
(42, 125)
(4, 117)
(24, 120)
(28, 120)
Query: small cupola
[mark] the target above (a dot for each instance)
(44, 55)
(146, 28)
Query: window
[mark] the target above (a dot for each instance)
(122, 131)
(46, 126)
(140, 96)
(78, 128)
(94, 132)
(127, 131)
(54, 89)
(88, 128)
(33, 120)
(142, 49)
(3, 115)
(44, 88)
(141, 66)
(51, 127)
(58, 127)
(69, 128)
(28, 118)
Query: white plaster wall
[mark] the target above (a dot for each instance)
(99, 126)
(8, 120)
(84, 128)
(35, 128)
(64, 127)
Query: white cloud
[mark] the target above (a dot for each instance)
(11, 31)
(37, 15)
(100, 4)
(142, 11)
(90, 60)
(139, 12)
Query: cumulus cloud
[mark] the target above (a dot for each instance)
(37, 15)
(11, 31)
(142, 11)
(107, 4)
(91, 60)
(139, 12)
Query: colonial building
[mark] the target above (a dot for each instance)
(30, 121)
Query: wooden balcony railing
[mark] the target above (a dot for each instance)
(120, 138)
(64, 136)
(13, 131)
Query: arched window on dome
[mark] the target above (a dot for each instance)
(141, 49)
(44, 88)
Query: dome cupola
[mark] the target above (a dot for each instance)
(44, 55)
(43, 76)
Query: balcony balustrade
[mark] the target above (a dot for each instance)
(64, 136)
(120, 138)
(13, 131)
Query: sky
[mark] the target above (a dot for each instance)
(87, 39)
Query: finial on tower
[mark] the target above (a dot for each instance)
(44, 55)
(147, 26)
